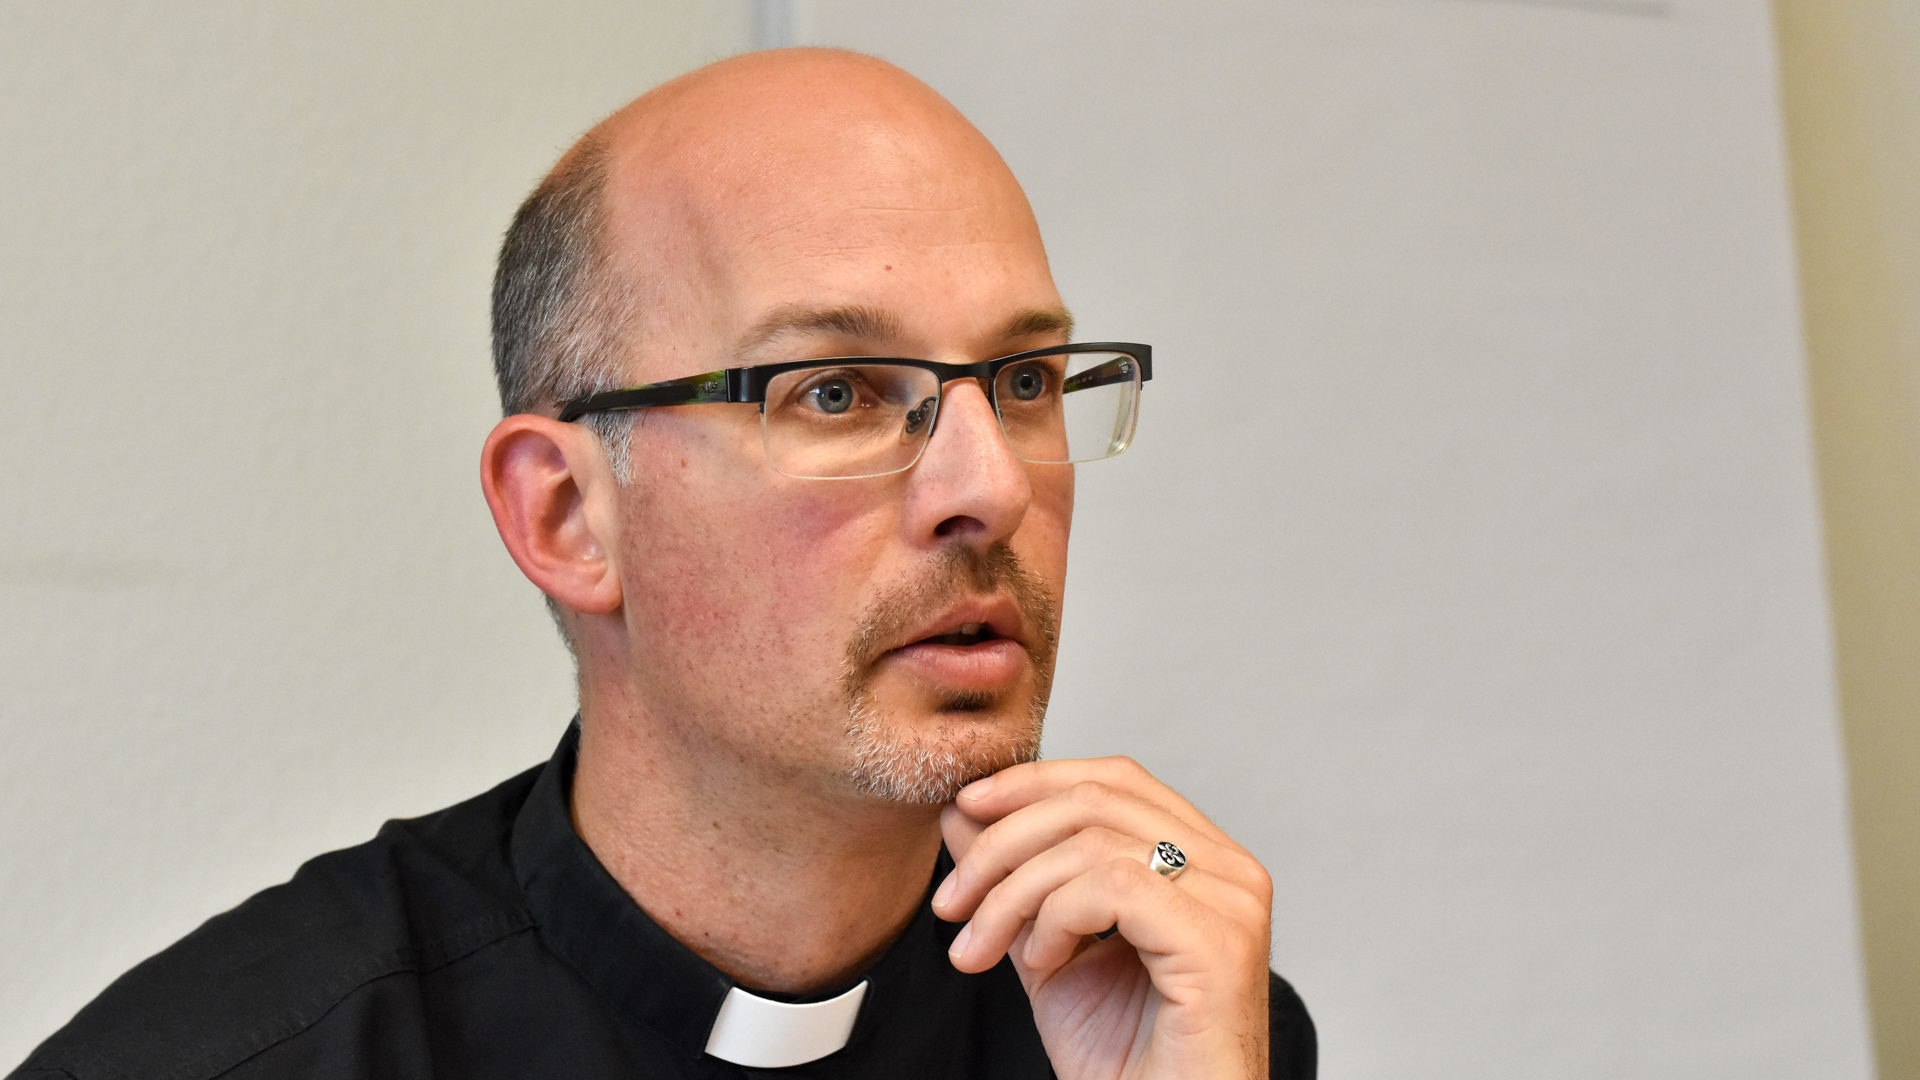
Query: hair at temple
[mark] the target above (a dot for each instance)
(558, 319)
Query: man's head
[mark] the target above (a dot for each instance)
(891, 634)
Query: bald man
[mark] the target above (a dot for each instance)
(793, 411)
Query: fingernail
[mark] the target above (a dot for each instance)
(959, 946)
(945, 892)
(977, 789)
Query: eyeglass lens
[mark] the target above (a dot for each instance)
(848, 420)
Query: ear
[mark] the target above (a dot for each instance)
(552, 497)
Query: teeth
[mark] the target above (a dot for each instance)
(965, 634)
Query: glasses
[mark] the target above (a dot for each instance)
(854, 416)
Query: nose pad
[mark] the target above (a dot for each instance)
(919, 418)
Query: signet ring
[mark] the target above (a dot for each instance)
(1168, 860)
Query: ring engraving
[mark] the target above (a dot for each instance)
(1168, 860)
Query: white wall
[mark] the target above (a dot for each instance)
(1467, 563)
(1466, 567)
(251, 603)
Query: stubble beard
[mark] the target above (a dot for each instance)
(893, 758)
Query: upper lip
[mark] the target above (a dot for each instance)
(997, 614)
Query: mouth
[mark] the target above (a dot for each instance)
(969, 623)
(973, 648)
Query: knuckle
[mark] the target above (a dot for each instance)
(1121, 875)
(993, 909)
(983, 856)
(1100, 842)
(1239, 866)
(1090, 793)
(1049, 910)
(1259, 881)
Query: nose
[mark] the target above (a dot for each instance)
(968, 486)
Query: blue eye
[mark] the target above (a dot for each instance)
(833, 395)
(1028, 383)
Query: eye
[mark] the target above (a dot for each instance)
(832, 395)
(1028, 382)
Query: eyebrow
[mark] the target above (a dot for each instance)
(854, 320)
(1035, 321)
(877, 324)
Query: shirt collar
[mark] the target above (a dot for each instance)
(647, 977)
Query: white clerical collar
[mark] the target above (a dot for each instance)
(763, 1034)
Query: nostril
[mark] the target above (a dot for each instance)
(959, 525)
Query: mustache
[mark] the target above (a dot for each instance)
(959, 571)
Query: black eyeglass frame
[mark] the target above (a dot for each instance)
(749, 383)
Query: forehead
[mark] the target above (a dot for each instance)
(733, 215)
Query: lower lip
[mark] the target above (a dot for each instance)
(991, 665)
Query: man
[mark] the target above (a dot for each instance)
(813, 607)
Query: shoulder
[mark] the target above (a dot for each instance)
(421, 895)
(1293, 1047)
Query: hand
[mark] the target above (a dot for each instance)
(1049, 854)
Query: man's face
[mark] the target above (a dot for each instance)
(891, 634)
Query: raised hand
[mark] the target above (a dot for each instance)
(1049, 855)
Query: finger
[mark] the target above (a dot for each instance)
(986, 854)
(1014, 902)
(1013, 905)
(958, 831)
(992, 798)
(1177, 934)
(990, 854)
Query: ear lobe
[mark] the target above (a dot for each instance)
(549, 488)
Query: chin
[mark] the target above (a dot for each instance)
(928, 760)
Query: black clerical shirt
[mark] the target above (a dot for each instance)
(487, 941)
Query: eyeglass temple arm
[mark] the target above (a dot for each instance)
(687, 390)
(1119, 369)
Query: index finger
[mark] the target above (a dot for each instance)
(991, 798)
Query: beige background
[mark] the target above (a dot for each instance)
(1468, 567)
(1852, 95)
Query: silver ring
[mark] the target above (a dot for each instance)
(1168, 860)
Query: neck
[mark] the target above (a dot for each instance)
(783, 888)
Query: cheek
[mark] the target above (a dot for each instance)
(1048, 522)
(1054, 494)
(819, 552)
(748, 570)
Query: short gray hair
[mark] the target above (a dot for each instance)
(560, 314)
